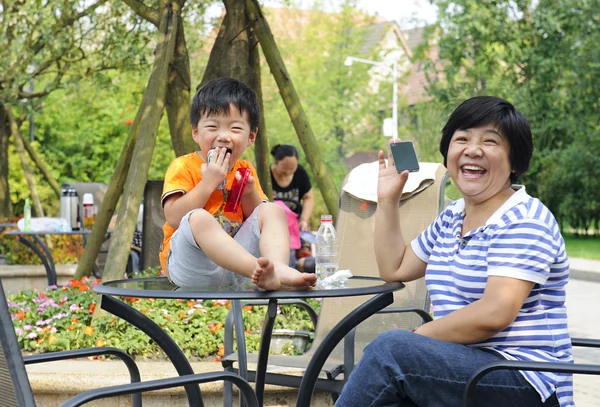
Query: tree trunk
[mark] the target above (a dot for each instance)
(261, 145)
(5, 203)
(42, 167)
(235, 55)
(178, 97)
(288, 93)
(35, 198)
(137, 176)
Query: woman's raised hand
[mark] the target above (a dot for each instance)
(389, 183)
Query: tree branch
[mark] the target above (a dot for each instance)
(147, 13)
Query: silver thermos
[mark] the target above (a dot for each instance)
(74, 208)
(65, 207)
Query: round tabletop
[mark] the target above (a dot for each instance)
(161, 287)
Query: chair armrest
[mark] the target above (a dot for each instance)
(130, 388)
(523, 365)
(585, 342)
(134, 372)
(422, 313)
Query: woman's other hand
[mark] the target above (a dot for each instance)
(389, 183)
(304, 225)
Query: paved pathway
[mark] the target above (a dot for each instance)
(583, 308)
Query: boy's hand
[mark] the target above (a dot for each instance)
(215, 171)
(249, 184)
(389, 183)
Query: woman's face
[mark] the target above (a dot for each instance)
(286, 167)
(479, 162)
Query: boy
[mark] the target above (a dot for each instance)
(204, 245)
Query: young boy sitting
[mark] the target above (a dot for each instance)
(203, 244)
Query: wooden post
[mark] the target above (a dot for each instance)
(288, 93)
(137, 176)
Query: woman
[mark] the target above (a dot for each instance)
(291, 185)
(495, 267)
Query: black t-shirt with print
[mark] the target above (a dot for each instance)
(293, 193)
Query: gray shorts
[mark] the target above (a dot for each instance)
(189, 266)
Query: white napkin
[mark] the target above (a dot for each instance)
(337, 279)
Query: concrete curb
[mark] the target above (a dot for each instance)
(584, 269)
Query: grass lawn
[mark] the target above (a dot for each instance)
(585, 247)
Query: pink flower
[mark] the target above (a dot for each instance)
(32, 335)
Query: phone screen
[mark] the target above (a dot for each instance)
(405, 156)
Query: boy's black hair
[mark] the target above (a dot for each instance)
(217, 96)
(490, 110)
(280, 151)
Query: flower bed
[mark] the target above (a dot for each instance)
(60, 318)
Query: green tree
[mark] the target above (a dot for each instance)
(543, 57)
(343, 111)
(51, 44)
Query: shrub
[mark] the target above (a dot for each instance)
(61, 319)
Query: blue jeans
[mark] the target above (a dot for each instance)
(400, 368)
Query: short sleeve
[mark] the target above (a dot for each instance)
(524, 249)
(177, 179)
(423, 244)
(303, 181)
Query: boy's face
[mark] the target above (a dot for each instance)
(224, 130)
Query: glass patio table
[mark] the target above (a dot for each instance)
(161, 287)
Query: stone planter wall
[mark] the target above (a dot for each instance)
(17, 278)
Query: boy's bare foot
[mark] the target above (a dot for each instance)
(265, 276)
(271, 276)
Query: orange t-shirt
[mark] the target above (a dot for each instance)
(183, 175)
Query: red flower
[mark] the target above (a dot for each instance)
(128, 122)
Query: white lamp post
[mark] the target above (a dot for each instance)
(394, 69)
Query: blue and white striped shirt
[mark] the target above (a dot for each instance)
(520, 240)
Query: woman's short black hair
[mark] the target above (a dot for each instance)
(217, 96)
(280, 151)
(490, 110)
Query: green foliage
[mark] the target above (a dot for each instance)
(543, 57)
(344, 110)
(61, 319)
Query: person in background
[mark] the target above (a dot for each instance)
(495, 266)
(291, 185)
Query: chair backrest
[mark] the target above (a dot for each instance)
(355, 233)
(15, 389)
(153, 221)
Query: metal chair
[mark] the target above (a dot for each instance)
(575, 368)
(355, 226)
(15, 389)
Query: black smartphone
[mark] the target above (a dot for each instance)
(405, 156)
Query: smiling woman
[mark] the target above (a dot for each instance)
(496, 270)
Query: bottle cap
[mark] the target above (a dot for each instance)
(326, 218)
(88, 199)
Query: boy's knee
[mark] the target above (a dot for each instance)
(199, 218)
(269, 210)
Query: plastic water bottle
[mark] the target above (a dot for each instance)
(27, 216)
(326, 249)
